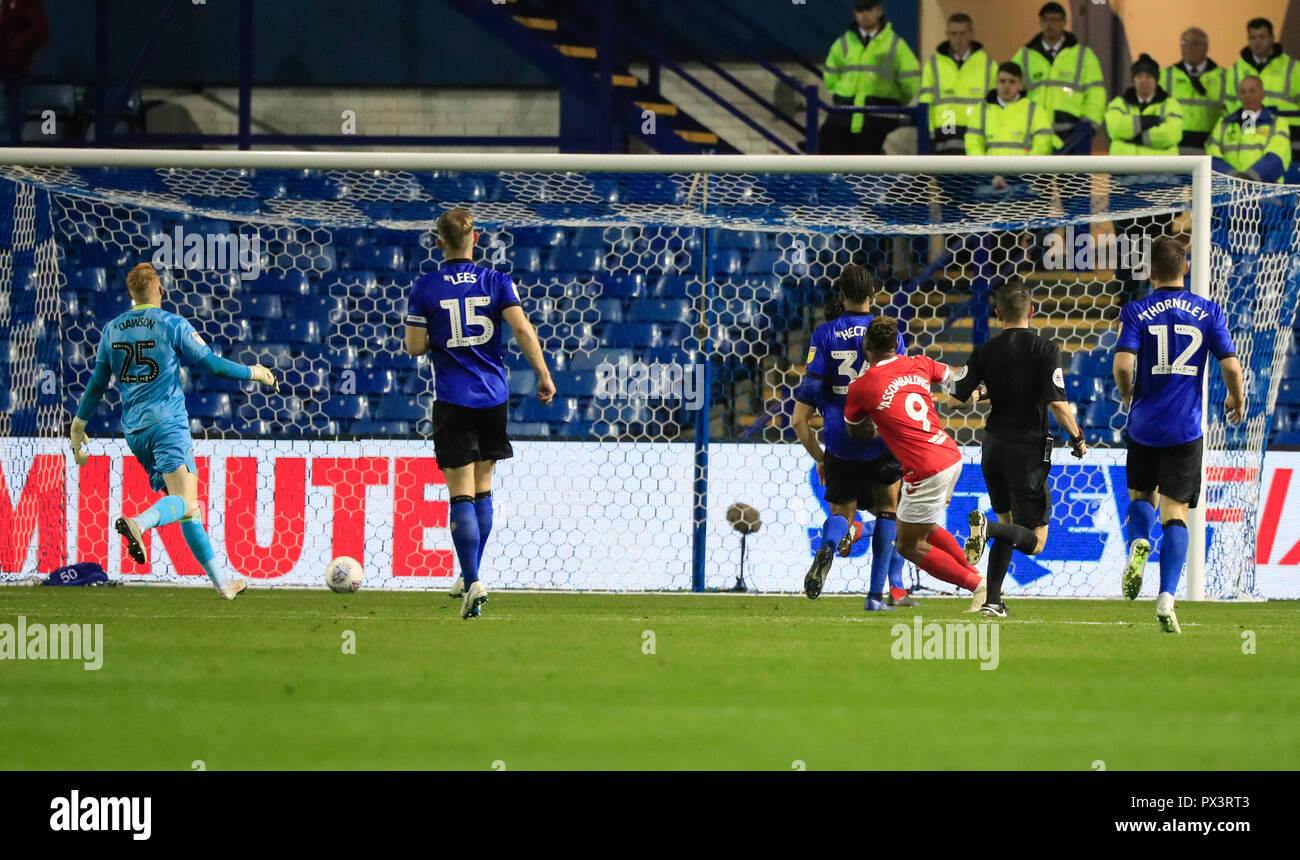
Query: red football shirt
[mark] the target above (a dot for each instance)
(895, 395)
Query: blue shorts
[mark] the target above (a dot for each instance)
(163, 448)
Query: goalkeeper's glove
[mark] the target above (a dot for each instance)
(77, 438)
(264, 376)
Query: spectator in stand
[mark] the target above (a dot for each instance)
(1009, 123)
(23, 29)
(954, 83)
(1198, 84)
(869, 65)
(1252, 142)
(1145, 120)
(1064, 76)
(1278, 73)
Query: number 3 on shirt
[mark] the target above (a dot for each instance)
(470, 318)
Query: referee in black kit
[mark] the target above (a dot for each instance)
(1019, 372)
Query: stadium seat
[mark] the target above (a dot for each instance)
(105, 306)
(524, 259)
(669, 287)
(87, 279)
(591, 361)
(208, 405)
(526, 429)
(1084, 389)
(1089, 364)
(623, 285)
(538, 237)
(346, 407)
(632, 335)
(744, 240)
(1104, 436)
(578, 260)
(384, 258)
(575, 383)
(261, 306)
(725, 262)
(608, 310)
(382, 428)
(523, 382)
(661, 310)
(1101, 413)
(1291, 370)
(1288, 392)
(375, 380)
(399, 407)
(560, 410)
(293, 331)
(323, 309)
(588, 237)
(251, 427)
(575, 429)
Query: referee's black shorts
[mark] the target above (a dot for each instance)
(854, 481)
(1017, 481)
(463, 435)
(1174, 470)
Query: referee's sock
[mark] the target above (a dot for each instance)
(1141, 518)
(1016, 537)
(1173, 555)
(999, 562)
(483, 511)
(883, 538)
(834, 530)
(464, 536)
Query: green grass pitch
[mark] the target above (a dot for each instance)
(547, 681)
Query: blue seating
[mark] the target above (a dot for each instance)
(399, 407)
(294, 331)
(588, 237)
(608, 310)
(382, 428)
(669, 287)
(292, 282)
(105, 306)
(560, 410)
(624, 284)
(575, 383)
(87, 279)
(522, 382)
(591, 361)
(661, 310)
(1089, 364)
(581, 260)
(380, 257)
(524, 429)
(744, 240)
(1291, 370)
(537, 237)
(524, 259)
(632, 335)
(374, 380)
(1101, 413)
(261, 306)
(1288, 392)
(1104, 436)
(208, 405)
(251, 426)
(346, 407)
(725, 262)
(1084, 389)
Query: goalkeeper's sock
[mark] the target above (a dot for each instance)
(834, 530)
(896, 573)
(196, 538)
(483, 510)
(882, 550)
(1141, 518)
(1016, 537)
(941, 565)
(166, 510)
(464, 536)
(941, 540)
(1173, 555)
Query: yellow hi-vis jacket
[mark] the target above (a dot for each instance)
(1280, 75)
(1151, 129)
(880, 71)
(1202, 99)
(1070, 87)
(1258, 147)
(1022, 127)
(955, 93)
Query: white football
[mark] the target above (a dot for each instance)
(344, 574)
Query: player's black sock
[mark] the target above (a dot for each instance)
(1017, 537)
(999, 561)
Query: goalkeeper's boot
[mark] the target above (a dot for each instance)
(233, 588)
(976, 540)
(1137, 562)
(457, 588)
(852, 536)
(475, 596)
(816, 577)
(900, 597)
(994, 610)
(876, 605)
(977, 596)
(135, 547)
(1165, 613)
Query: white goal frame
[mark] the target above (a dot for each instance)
(1197, 166)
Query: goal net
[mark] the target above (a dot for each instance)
(675, 300)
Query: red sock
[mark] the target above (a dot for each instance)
(941, 565)
(940, 539)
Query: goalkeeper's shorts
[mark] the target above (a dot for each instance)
(161, 448)
(464, 435)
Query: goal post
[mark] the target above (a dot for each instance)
(667, 264)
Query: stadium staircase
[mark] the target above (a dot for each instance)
(564, 40)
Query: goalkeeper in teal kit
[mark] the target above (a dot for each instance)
(144, 348)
